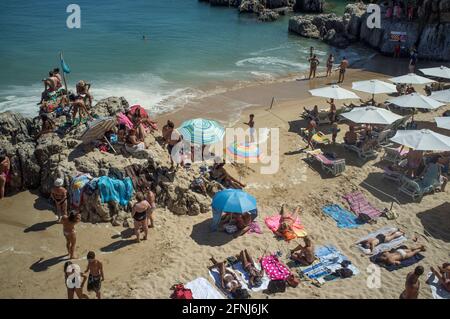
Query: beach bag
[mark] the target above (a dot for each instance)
(180, 292)
(276, 286)
(241, 294)
(231, 228)
(292, 281)
(344, 273)
(389, 214)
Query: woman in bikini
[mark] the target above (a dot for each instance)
(255, 275)
(287, 220)
(228, 279)
(59, 196)
(139, 214)
(5, 168)
(68, 223)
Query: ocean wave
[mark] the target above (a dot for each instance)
(270, 61)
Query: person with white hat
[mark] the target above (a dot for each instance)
(59, 196)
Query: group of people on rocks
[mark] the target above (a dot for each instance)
(314, 63)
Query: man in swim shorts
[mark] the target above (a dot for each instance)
(379, 239)
(396, 256)
(412, 284)
(96, 276)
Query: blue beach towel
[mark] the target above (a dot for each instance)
(76, 188)
(343, 217)
(405, 263)
(115, 190)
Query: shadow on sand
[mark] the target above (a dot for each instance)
(43, 265)
(40, 226)
(436, 221)
(202, 235)
(117, 245)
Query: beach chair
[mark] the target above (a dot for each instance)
(394, 176)
(394, 155)
(318, 139)
(383, 137)
(334, 167)
(362, 154)
(430, 183)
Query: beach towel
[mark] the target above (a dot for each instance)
(437, 290)
(239, 268)
(274, 268)
(76, 188)
(405, 263)
(360, 206)
(343, 217)
(385, 246)
(202, 289)
(215, 275)
(123, 119)
(115, 190)
(273, 222)
(254, 228)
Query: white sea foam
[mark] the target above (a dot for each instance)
(271, 62)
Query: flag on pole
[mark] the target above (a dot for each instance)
(64, 66)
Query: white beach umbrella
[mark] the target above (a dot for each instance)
(442, 96)
(374, 87)
(439, 72)
(334, 92)
(443, 122)
(411, 78)
(416, 100)
(371, 115)
(422, 140)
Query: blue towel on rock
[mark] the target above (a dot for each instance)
(115, 190)
(343, 217)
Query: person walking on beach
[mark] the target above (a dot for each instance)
(140, 214)
(412, 284)
(68, 223)
(74, 280)
(330, 62)
(251, 125)
(313, 63)
(342, 68)
(96, 275)
(59, 196)
(5, 169)
(333, 111)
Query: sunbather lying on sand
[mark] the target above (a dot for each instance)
(255, 275)
(287, 220)
(229, 280)
(443, 275)
(304, 254)
(397, 255)
(371, 243)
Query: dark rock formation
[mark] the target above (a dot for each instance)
(309, 6)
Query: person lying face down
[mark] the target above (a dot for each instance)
(379, 239)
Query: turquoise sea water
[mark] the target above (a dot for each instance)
(190, 46)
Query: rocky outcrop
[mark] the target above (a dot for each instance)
(429, 33)
(309, 6)
(37, 163)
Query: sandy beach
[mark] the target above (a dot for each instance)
(32, 247)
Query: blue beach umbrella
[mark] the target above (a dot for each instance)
(232, 201)
(202, 131)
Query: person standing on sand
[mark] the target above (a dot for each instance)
(330, 62)
(333, 111)
(311, 52)
(412, 61)
(59, 196)
(251, 125)
(313, 63)
(68, 223)
(139, 213)
(5, 173)
(74, 280)
(96, 276)
(412, 284)
(171, 138)
(342, 68)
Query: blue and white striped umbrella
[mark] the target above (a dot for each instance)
(202, 131)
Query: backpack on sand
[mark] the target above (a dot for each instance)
(179, 292)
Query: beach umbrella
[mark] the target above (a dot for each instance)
(96, 130)
(439, 72)
(443, 122)
(371, 115)
(374, 87)
(202, 131)
(442, 96)
(233, 201)
(245, 151)
(334, 92)
(422, 140)
(411, 78)
(417, 101)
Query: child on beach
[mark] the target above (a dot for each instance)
(96, 276)
(251, 125)
(68, 223)
(59, 196)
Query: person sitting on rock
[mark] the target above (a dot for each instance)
(133, 144)
(219, 174)
(83, 92)
(48, 125)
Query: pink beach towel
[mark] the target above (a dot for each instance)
(123, 119)
(275, 269)
(254, 228)
(273, 222)
(359, 205)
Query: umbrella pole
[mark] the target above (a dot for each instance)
(109, 144)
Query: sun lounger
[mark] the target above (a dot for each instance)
(318, 139)
(239, 268)
(437, 290)
(343, 217)
(405, 263)
(331, 166)
(418, 188)
(202, 289)
(394, 155)
(362, 154)
(361, 207)
(382, 247)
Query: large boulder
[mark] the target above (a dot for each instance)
(268, 15)
(309, 6)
